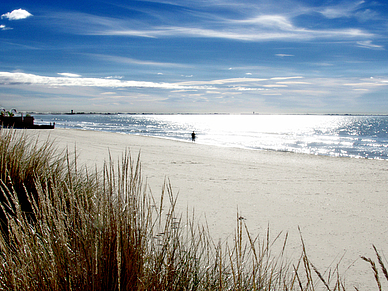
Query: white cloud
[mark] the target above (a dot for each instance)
(8, 78)
(275, 86)
(70, 75)
(282, 86)
(185, 90)
(239, 88)
(17, 14)
(366, 84)
(3, 27)
(86, 91)
(114, 77)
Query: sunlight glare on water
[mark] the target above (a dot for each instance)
(349, 136)
(251, 131)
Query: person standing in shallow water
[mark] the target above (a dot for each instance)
(193, 136)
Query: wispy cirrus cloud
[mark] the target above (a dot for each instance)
(126, 60)
(222, 81)
(351, 9)
(257, 32)
(344, 9)
(286, 78)
(369, 45)
(17, 14)
(256, 27)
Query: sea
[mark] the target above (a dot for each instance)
(328, 135)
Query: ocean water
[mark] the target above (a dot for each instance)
(329, 135)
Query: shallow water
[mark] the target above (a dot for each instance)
(337, 136)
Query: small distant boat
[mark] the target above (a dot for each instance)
(22, 122)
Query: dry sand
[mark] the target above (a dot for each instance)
(340, 204)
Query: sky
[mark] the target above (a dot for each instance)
(195, 56)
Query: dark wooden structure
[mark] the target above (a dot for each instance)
(22, 122)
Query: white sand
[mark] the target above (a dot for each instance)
(340, 204)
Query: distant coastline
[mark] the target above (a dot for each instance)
(200, 113)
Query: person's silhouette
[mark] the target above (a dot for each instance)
(193, 136)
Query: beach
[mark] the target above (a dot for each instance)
(339, 204)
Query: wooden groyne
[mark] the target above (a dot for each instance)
(22, 122)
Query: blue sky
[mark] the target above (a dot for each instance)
(194, 56)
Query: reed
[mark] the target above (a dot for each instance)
(104, 231)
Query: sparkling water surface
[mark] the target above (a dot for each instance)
(337, 136)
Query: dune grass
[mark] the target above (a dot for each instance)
(66, 228)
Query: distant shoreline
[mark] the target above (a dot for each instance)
(188, 113)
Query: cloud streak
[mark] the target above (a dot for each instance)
(126, 60)
(258, 32)
(369, 45)
(7, 78)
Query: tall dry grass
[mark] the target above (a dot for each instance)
(375, 269)
(68, 229)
